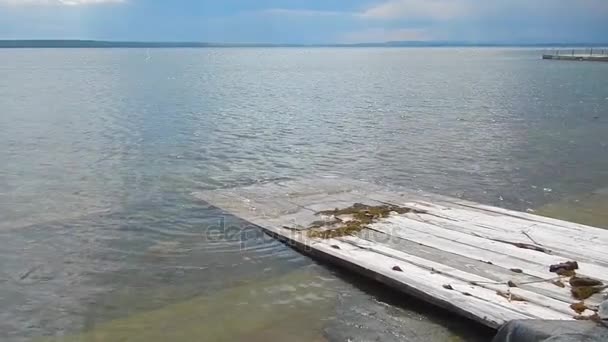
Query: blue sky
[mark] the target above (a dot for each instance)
(312, 21)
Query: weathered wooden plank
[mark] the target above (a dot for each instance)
(508, 256)
(424, 279)
(317, 203)
(466, 299)
(490, 271)
(441, 203)
(494, 217)
(530, 264)
(578, 243)
(587, 230)
(558, 244)
(511, 223)
(529, 296)
(236, 203)
(301, 219)
(450, 245)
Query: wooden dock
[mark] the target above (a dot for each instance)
(580, 55)
(485, 263)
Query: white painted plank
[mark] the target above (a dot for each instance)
(483, 302)
(507, 256)
(535, 298)
(491, 217)
(589, 245)
(537, 218)
(559, 244)
(510, 223)
(473, 266)
(512, 220)
(476, 304)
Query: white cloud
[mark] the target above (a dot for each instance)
(57, 2)
(454, 10)
(302, 12)
(444, 10)
(418, 9)
(381, 35)
(390, 9)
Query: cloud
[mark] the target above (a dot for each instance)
(448, 10)
(435, 11)
(418, 9)
(381, 35)
(57, 2)
(302, 12)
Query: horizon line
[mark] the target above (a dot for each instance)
(33, 43)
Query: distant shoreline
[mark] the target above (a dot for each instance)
(15, 44)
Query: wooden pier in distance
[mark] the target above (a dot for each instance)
(485, 263)
(589, 55)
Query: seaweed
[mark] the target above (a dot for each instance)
(566, 273)
(579, 307)
(359, 208)
(584, 281)
(362, 216)
(582, 287)
(349, 228)
(325, 223)
(584, 292)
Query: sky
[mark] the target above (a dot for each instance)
(308, 21)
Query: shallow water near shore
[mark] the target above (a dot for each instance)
(589, 209)
(101, 238)
(303, 305)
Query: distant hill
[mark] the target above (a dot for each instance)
(126, 44)
(93, 44)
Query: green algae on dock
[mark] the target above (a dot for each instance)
(360, 216)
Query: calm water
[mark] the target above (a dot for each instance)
(101, 239)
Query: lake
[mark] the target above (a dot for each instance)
(101, 238)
